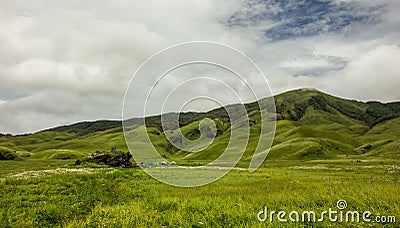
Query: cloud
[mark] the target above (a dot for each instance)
(66, 61)
(313, 65)
(374, 75)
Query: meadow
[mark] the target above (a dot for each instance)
(55, 193)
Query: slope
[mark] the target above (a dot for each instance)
(310, 125)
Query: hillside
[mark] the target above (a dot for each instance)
(310, 125)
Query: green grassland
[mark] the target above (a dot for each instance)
(116, 197)
(325, 149)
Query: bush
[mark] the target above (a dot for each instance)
(114, 159)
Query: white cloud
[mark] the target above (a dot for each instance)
(313, 65)
(374, 75)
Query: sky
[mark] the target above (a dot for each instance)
(67, 61)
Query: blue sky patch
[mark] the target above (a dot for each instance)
(281, 20)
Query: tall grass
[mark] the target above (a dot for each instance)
(130, 198)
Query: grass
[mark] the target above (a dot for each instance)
(130, 198)
(325, 149)
(9, 167)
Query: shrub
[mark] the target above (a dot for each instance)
(114, 158)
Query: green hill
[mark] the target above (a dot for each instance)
(310, 125)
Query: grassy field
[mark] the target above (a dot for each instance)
(54, 193)
(325, 149)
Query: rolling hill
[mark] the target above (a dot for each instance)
(310, 125)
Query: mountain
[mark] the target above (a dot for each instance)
(310, 125)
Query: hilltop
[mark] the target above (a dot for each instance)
(310, 125)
